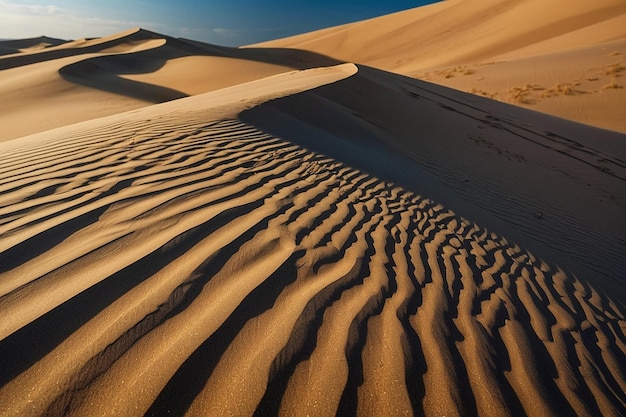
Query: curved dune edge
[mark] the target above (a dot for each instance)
(90, 78)
(178, 260)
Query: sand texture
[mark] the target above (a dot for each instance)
(183, 259)
(193, 230)
(558, 57)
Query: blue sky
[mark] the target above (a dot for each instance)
(224, 22)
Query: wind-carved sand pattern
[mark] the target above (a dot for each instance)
(193, 266)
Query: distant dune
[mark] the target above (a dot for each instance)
(189, 229)
(558, 57)
(90, 78)
(31, 44)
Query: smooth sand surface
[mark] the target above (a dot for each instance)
(558, 57)
(207, 231)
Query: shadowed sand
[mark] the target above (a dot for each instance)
(218, 256)
(28, 45)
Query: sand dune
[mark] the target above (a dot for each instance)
(89, 78)
(208, 231)
(205, 257)
(552, 56)
(564, 60)
(28, 45)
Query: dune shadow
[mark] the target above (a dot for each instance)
(115, 84)
(326, 131)
(5, 50)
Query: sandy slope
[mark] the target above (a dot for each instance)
(558, 57)
(314, 255)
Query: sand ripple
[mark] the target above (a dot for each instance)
(203, 267)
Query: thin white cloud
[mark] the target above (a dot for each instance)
(226, 32)
(29, 9)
